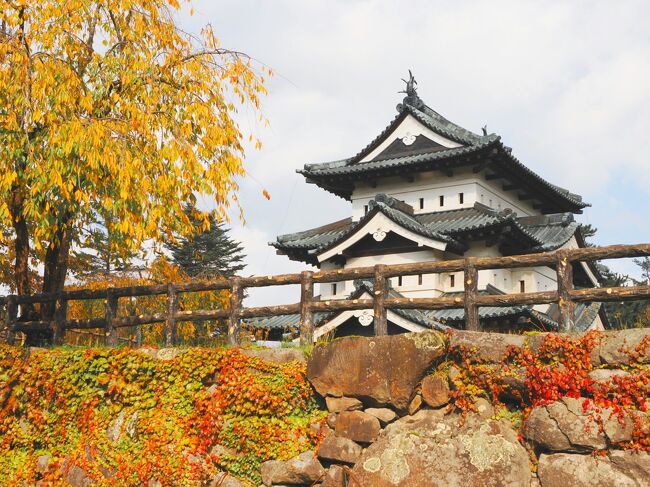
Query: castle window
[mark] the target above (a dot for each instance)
(442, 200)
(399, 280)
(334, 289)
(422, 203)
(461, 198)
(365, 209)
(452, 280)
(522, 286)
(419, 279)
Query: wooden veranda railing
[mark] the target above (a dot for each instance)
(565, 295)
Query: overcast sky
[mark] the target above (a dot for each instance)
(566, 85)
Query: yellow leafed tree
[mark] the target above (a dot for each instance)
(109, 111)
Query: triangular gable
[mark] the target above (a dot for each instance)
(379, 226)
(365, 318)
(405, 132)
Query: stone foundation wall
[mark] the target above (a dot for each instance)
(398, 419)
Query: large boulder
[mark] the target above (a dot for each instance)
(300, 470)
(619, 347)
(384, 415)
(357, 426)
(338, 449)
(430, 449)
(338, 404)
(276, 355)
(617, 469)
(380, 371)
(574, 425)
(435, 390)
(488, 347)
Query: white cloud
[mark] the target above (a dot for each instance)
(566, 84)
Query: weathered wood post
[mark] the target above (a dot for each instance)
(566, 306)
(60, 317)
(306, 314)
(472, 321)
(380, 291)
(12, 318)
(111, 313)
(234, 323)
(172, 308)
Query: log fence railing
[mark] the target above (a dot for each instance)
(565, 295)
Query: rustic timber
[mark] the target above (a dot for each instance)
(540, 297)
(124, 321)
(566, 306)
(566, 296)
(202, 315)
(60, 316)
(471, 292)
(609, 294)
(234, 318)
(342, 305)
(380, 292)
(172, 307)
(306, 314)
(12, 316)
(280, 309)
(111, 318)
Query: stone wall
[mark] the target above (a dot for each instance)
(403, 414)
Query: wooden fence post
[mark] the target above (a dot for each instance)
(306, 315)
(566, 306)
(380, 291)
(111, 314)
(472, 321)
(60, 317)
(172, 308)
(12, 317)
(234, 323)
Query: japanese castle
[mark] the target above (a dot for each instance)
(426, 189)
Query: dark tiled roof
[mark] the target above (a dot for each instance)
(332, 175)
(454, 227)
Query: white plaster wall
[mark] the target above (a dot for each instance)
(430, 282)
(507, 280)
(432, 185)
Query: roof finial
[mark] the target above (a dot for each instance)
(411, 97)
(410, 90)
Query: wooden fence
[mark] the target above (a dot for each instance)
(565, 295)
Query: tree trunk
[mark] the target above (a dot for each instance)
(56, 262)
(55, 270)
(21, 245)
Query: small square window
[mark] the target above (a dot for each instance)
(422, 203)
(442, 200)
(461, 198)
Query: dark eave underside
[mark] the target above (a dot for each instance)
(455, 227)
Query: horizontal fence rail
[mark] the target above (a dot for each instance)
(565, 296)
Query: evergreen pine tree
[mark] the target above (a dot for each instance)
(209, 253)
(624, 314)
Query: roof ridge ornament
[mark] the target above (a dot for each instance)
(411, 97)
